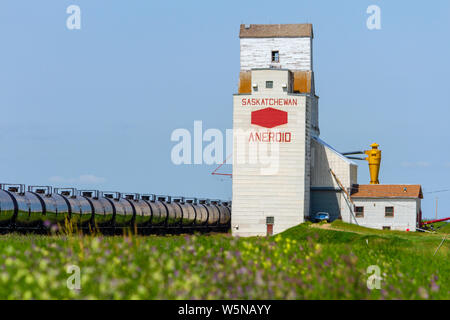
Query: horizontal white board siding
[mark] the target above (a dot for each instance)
(283, 195)
(326, 159)
(405, 213)
(295, 53)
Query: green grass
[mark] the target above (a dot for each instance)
(444, 227)
(301, 263)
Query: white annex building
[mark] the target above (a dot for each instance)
(282, 171)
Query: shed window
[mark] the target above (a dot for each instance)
(275, 56)
(359, 212)
(269, 84)
(389, 212)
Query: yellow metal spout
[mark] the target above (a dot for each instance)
(374, 159)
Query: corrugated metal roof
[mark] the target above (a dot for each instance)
(387, 191)
(276, 31)
(340, 155)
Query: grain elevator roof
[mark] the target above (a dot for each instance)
(276, 31)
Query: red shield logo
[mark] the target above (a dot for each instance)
(269, 118)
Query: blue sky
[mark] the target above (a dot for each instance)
(95, 108)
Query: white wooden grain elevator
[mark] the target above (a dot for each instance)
(282, 170)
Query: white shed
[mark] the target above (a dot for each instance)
(389, 207)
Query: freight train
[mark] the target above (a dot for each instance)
(38, 208)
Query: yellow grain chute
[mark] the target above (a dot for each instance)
(373, 158)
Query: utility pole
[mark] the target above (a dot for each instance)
(436, 208)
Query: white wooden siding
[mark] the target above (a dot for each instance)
(325, 159)
(405, 213)
(284, 195)
(295, 53)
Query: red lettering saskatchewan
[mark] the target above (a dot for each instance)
(269, 102)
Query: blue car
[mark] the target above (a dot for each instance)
(321, 216)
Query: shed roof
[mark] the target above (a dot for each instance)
(276, 31)
(387, 191)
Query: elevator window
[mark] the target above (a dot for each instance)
(275, 56)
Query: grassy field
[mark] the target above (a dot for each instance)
(443, 227)
(305, 262)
